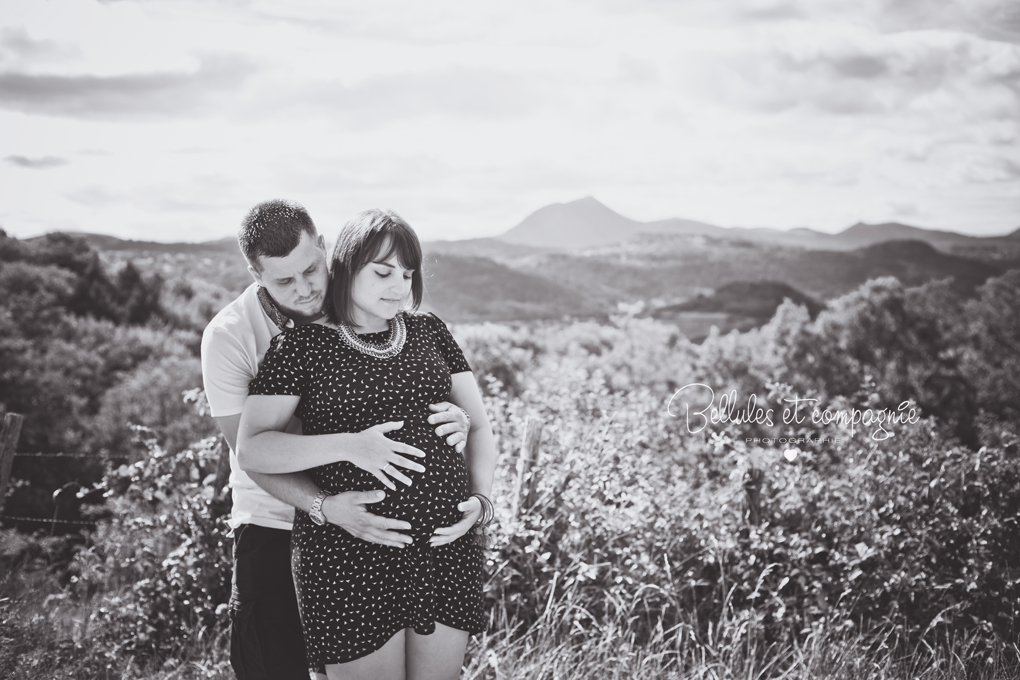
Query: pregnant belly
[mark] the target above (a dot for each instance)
(431, 499)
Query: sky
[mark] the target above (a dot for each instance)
(167, 120)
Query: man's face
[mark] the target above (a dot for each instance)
(297, 281)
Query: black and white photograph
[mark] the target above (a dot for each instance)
(647, 339)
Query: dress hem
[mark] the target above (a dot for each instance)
(315, 664)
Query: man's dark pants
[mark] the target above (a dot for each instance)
(265, 629)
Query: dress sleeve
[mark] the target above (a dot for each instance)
(447, 346)
(282, 370)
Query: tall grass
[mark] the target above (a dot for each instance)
(732, 649)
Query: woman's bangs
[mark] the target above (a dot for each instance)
(404, 243)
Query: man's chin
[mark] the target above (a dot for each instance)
(302, 316)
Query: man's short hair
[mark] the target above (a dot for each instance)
(360, 242)
(273, 229)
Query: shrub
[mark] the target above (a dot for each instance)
(161, 565)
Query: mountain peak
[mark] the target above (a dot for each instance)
(586, 201)
(578, 224)
(589, 205)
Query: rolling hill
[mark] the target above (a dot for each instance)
(740, 305)
(475, 289)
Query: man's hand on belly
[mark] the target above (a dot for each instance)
(453, 423)
(348, 511)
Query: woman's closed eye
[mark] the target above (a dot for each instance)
(386, 274)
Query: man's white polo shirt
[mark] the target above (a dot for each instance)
(233, 345)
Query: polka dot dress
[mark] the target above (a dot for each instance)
(355, 595)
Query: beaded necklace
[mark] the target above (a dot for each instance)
(386, 350)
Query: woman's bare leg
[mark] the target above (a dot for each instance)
(385, 663)
(435, 657)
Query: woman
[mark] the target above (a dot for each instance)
(370, 610)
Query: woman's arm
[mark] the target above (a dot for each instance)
(264, 445)
(480, 451)
(479, 455)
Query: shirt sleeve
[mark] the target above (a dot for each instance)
(282, 369)
(447, 346)
(225, 372)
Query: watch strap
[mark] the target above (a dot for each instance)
(316, 510)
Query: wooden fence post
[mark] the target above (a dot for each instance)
(753, 479)
(524, 488)
(8, 444)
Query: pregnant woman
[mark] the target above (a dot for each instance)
(371, 610)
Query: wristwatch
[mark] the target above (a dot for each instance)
(316, 512)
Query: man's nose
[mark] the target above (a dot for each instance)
(304, 286)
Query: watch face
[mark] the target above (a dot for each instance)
(317, 517)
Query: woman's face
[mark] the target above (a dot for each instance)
(380, 290)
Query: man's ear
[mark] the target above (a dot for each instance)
(255, 274)
(321, 243)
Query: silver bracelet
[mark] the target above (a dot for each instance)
(488, 512)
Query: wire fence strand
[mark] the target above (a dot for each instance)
(46, 520)
(55, 455)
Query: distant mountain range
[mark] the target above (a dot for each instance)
(587, 223)
(111, 243)
(582, 259)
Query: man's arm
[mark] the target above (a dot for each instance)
(262, 435)
(346, 510)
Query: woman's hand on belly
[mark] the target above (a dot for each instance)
(472, 509)
(380, 456)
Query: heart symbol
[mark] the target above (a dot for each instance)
(790, 454)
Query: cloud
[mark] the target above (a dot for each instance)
(769, 10)
(17, 44)
(638, 71)
(202, 192)
(997, 20)
(459, 92)
(991, 19)
(861, 72)
(904, 209)
(94, 197)
(133, 95)
(991, 170)
(40, 163)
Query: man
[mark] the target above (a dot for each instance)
(287, 258)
